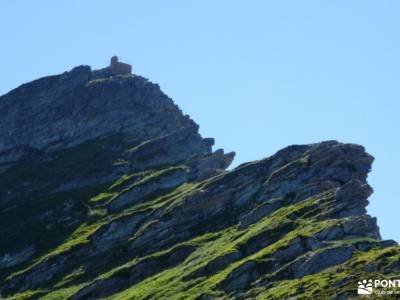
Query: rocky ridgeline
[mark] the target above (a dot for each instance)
(109, 191)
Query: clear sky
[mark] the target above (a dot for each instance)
(256, 75)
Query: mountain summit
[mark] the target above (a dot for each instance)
(109, 191)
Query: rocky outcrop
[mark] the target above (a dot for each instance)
(108, 190)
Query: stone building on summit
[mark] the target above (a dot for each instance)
(117, 67)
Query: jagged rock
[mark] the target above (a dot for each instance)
(320, 260)
(242, 276)
(108, 190)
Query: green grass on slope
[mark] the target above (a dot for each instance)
(335, 280)
(60, 294)
(129, 182)
(78, 238)
(209, 246)
(82, 234)
(184, 281)
(173, 283)
(86, 218)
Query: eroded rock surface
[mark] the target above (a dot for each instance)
(108, 190)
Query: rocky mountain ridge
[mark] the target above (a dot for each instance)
(108, 191)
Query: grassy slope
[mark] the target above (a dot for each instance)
(186, 280)
(173, 283)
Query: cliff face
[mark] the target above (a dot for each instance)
(108, 191)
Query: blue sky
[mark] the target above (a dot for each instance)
(256, 75)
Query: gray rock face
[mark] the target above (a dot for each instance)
(318, 261)
(64, 110)
(108, 190)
